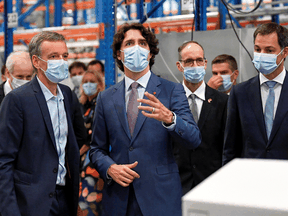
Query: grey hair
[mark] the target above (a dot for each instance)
(37, 40)
(14, 57)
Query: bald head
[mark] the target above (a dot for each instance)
(19, 65)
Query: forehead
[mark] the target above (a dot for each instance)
(76, 69)
(270, 40)
(95, 67)
(192, 50)
(89, 76)
(57, 47)
(25, 69)
(221, 67)
(133, 34)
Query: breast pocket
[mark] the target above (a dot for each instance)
(21, 177)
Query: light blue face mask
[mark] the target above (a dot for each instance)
(135, 58)
(266, 63)
(194, 74)
(57, 70)
(89, 88)
(227, 83)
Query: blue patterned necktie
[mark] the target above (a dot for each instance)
(269, 107)
(132, 109)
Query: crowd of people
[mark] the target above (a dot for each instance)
(137, 147)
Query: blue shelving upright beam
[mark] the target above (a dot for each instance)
(57, 12)
(47, 14)
(8, 32)
(200, 15)
(275, 18)
(75, 13)
(222, 15)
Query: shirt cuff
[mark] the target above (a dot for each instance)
(172, 126)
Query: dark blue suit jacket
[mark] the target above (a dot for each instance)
(28, 155)
(158, 191)
(245, 134)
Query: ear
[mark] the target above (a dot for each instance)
(236, 73)
(118, 55)
(205, 64)
(285, 52)
(7, 74)
(178, 64)
(35, 61)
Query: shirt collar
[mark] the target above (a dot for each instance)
(143, 81)
(47, 93)
(279, 79)
(200, 92)
(7, 87)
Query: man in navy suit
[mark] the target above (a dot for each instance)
(39, 156)
(208, 107)
(133, 150)
(257, 118)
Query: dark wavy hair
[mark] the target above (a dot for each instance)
(146, 33)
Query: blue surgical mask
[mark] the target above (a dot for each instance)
(135, 58)
(227, 83)
(194, 74)
(89, 88)
(57, 70)
(266, 63)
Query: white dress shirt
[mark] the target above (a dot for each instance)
(60, 127)
(6, 87)
(200, 93)
(277, 89)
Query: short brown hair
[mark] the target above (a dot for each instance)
(77, 64)
(269, 28)
(224, 58)
(186, 44)
(146, 33)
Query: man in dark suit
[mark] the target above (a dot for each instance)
(39, 156)
(257, 118)
(208, 107)
(19, 70)
(224, 73)
(133, 151)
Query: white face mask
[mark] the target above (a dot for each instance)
(76, 80)
(15, 83)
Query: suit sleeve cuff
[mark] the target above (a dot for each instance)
(171, 126)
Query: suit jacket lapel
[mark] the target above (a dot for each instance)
(152, 88)
(254, 96)
(119, 104)
(206, 107)
(44, 109)
(282, 109)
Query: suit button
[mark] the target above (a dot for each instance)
(54, 170)
(180, 133)
(268, 150)
(51, 195)
(131, 148)
(194, 166)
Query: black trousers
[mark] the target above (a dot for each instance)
(60, 206)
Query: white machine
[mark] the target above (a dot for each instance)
(243, 187)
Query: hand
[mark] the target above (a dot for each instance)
(84, 149)
(215, 82)
(123, 174)
(160, 113)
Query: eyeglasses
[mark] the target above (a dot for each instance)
(190, 62)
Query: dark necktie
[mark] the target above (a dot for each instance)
(269, 107)
(132, 109)
(193, 108)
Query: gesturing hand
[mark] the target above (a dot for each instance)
(157, 109)
(215, 82)
(123, 174)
